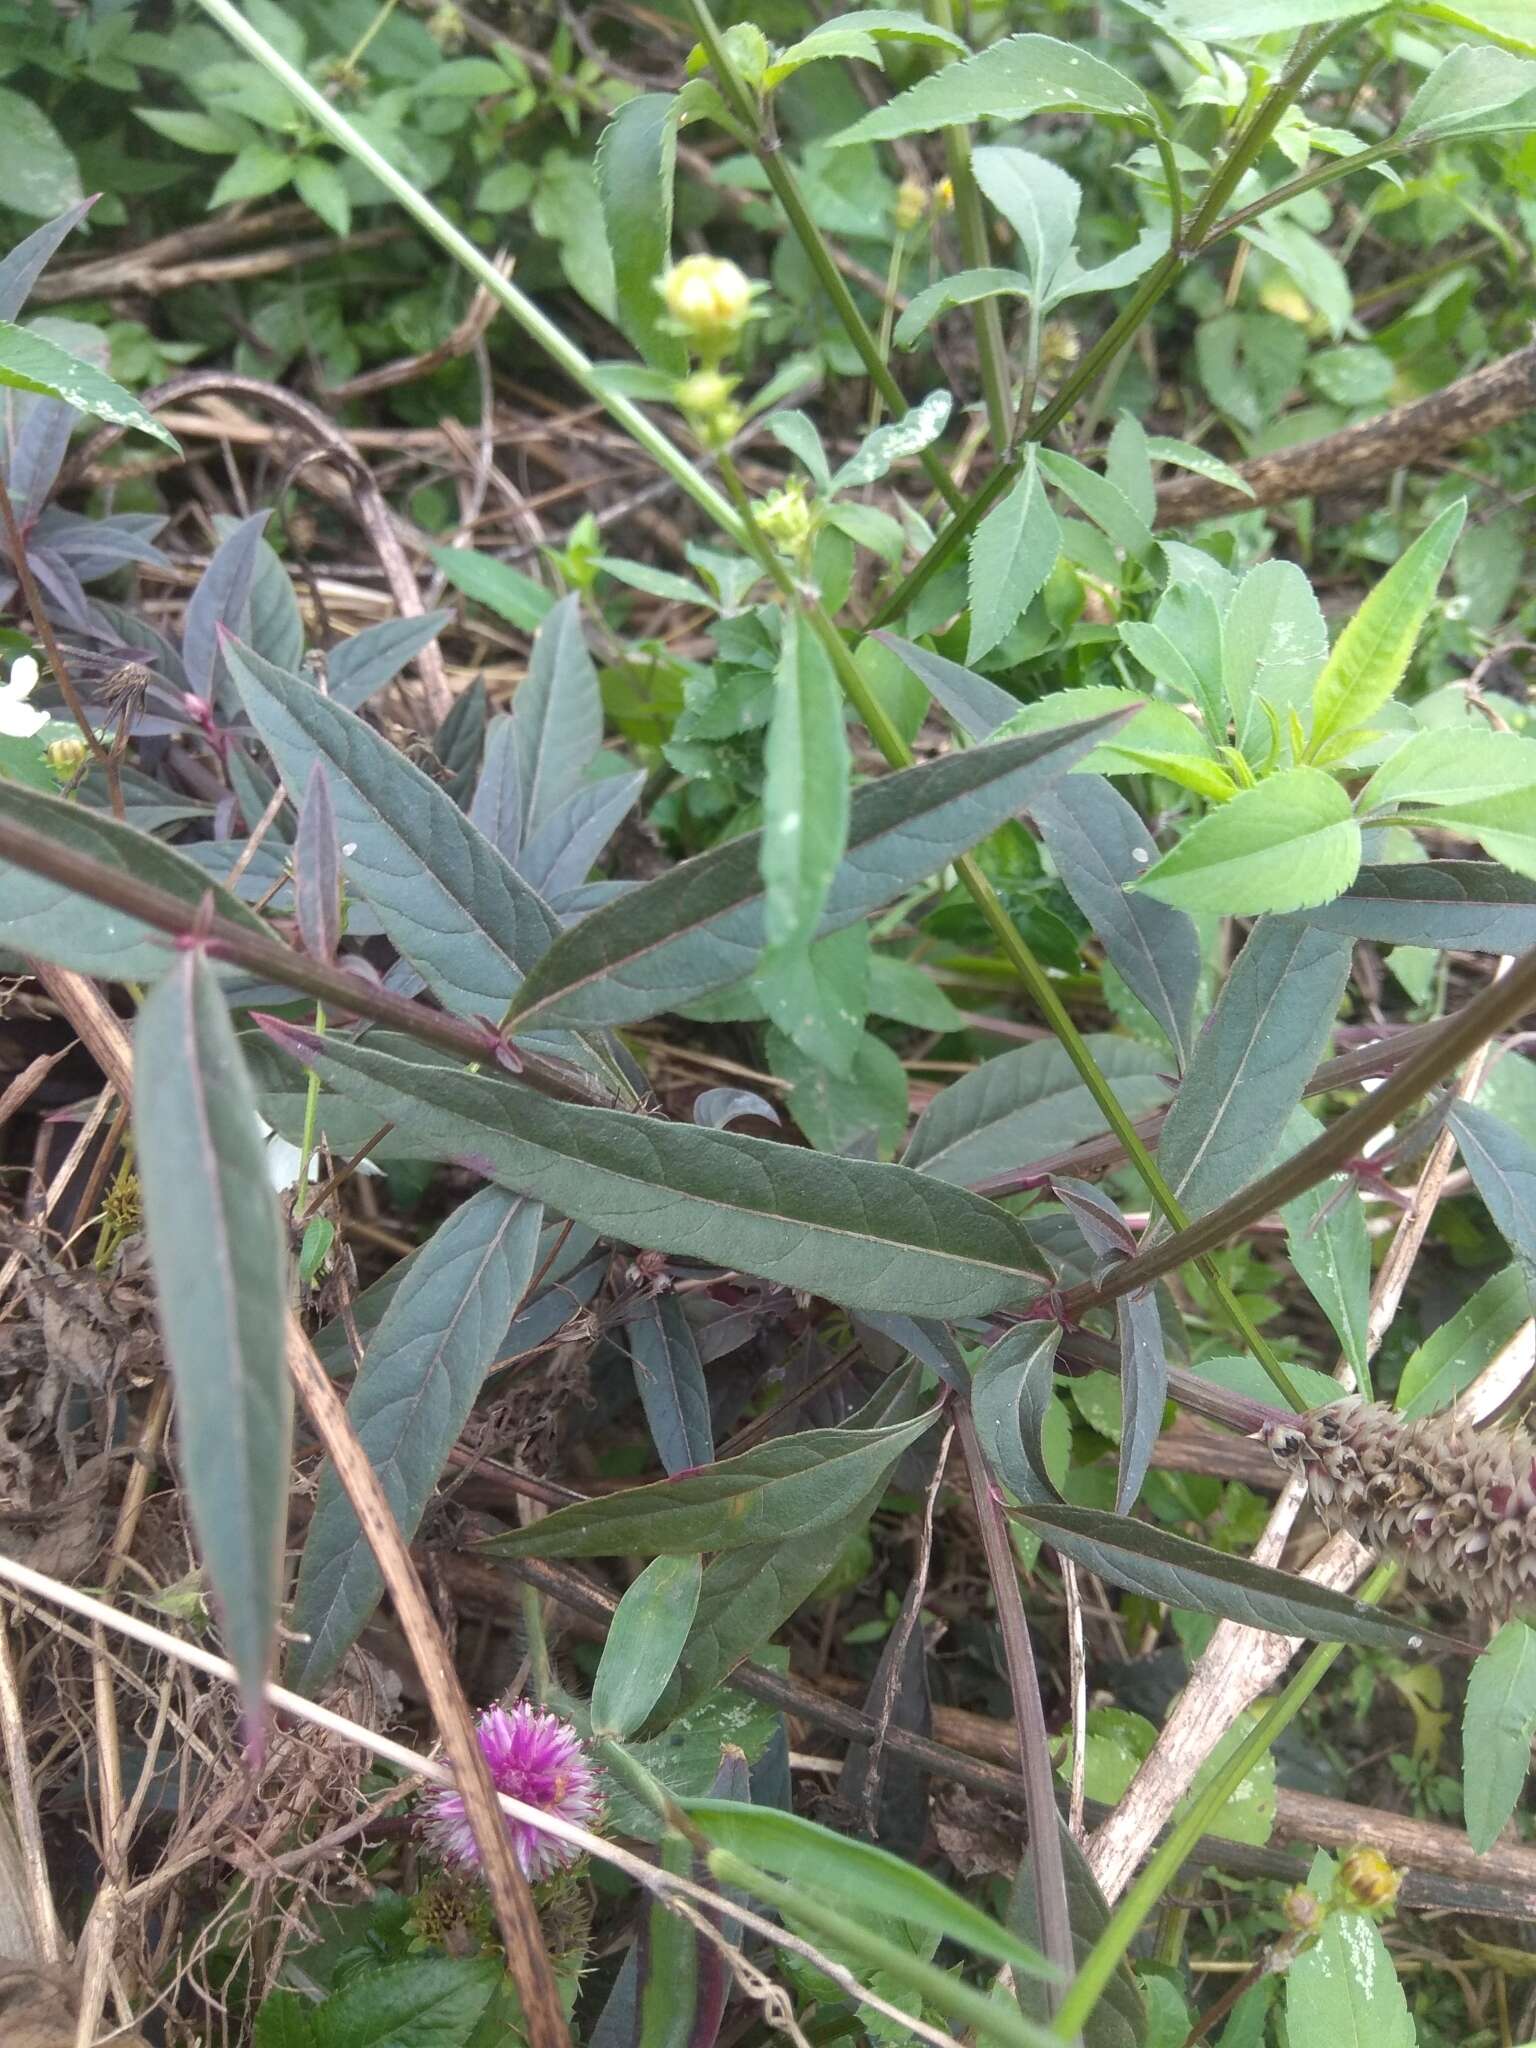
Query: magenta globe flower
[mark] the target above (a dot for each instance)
(539, 1759)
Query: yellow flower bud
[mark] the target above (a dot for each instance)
(1369, 1879)
(944, 195)
(709, 301)
(911, 204)
(67, 757)
(705, 392)
(787, 519)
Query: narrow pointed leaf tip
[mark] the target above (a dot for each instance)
(297, 1040)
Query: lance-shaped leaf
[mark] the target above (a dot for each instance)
(456, 910)
(1140, 1558)
(701, 925)
(1503, 1168)
(1472, 906)
(31, 362)
(558, 712)
(636, 154)
(862, 1233)
(217, 1246)
(670, 1381)
(1009, 1403)
(1019, 76)
(1331, 1250)
(791, 1486)
(317, 870)
(412, 1396)
(222, 600)
(645, 1640)
(71, 930)
(1253, 1060)
(374, 657)
(1099, 845)
(1496, 1733)
(1012, 552)
(880, 1883)
(805, 790)
(976, 706)
(1120, 2018)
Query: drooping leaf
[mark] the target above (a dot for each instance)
(645, 1640)
(70, 929)
(1019, 76)
(865, 1234)
(1010, 1399)
(700, 926)
(1291, 842)
(32, 362)
(636, 154)
(1099, 846)
(454, 907)
(1012, 552)
(670, 1380)
(789, 1486)
(1252, 1061)
(414, 1391)
(1502, 1164)
(1142, 1558)
(1027, 1104)
(1496, 1732)
(1466, 905)
(805, 790)
(1371, 655)
(219, 1257)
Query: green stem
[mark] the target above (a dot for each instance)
(1308, 181)
(888, 317)
(354, 56)
(311, 1117)
(743, 105)
(565, 354)
(1104, 1958)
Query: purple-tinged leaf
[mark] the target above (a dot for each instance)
(317, 870)
(558, 712)
(560, 854)
(1472, 906)
(1143, 1390)
(220, 1262)
(978, 707)
(1010, 1401)
(371, 659)
(21, 267)
(1503, 1168)
(222, 598)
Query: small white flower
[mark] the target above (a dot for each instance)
(18, 720)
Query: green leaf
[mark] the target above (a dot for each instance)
(880, 451)
(1029, 1103)
(1291, 842)
(258, 170)
(1244, 19)
(1329, 1247)
(882, 1884)
(700, 926)
(38, 174)
(1274, 642)
(805, 790)
(864, 1234)
(860, 1107)
(1105, 503)
(790, 1486)
(1496, 1732)
(900, 989)
(1013, 550)
(1040, 203)
(1010, 1401)
(1185, 455)
(1504, 825)
(636, 158)
(1451, 766)
(1470, 905)
(1502, 1164)
(497, 585)
(1119, 2020)
(1452, 1357)
(414, 1391)
(1344, 1990)
(1019, 76)
(1141, 1558)
(1475, 89)
(860, 35)
(57, 924)
(31, 362)
(323, 190)
(963, 288)
(1253, 1060)
(645, 1640)
(444, 895)
(1371, 655)
(978, 707)
(422, 2002)
(1249, 364)
(220, 1262)
(1099, 847)
(670, 1381)
(817, 996)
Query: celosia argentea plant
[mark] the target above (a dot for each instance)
(962, 723)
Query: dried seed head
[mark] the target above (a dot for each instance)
(1457, 1506)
